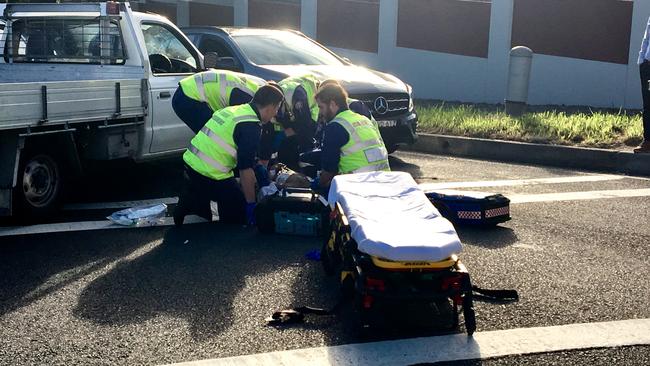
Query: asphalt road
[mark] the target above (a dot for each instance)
(161, 295)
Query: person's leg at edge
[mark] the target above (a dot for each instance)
(644, 69)
(194, 197)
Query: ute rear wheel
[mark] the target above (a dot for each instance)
(39, 186)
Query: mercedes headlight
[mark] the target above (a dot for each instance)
(409, 89)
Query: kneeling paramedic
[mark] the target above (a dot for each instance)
(298, 119)
(228, 141)
(351, 142)
(200, 95)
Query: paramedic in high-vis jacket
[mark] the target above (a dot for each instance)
(354, 105)
(298, 120)
(200, 95)
(228, 141)
(351, 142)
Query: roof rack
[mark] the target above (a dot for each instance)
(107, 8)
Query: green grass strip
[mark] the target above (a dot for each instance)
(593, 128)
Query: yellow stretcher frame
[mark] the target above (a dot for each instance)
(388, 264)
(338, 256)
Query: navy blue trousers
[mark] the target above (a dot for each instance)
(195, 114)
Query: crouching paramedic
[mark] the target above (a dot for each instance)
(351, 142)
(200, 95)
(228, 141)
(298, 119)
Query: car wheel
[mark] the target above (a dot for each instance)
(39, 187)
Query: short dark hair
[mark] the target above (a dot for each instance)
(332, 92)
(268, 94)
(329, 82)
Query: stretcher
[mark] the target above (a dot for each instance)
(391, 247)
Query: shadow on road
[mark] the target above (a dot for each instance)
(123, 180)
(398, 164)
(490, 237)
(32, 267)
(194, 274)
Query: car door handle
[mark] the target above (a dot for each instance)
(165, 95)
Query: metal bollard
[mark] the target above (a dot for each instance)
(521, 59)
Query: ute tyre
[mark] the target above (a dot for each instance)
(39, 186)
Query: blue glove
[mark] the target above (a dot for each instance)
(315, 184)
(313, 255)
(250, 213)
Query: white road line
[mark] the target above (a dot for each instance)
(456, 347)
(522, 182)
(577, 196)
(84, 226)
(424, 186)
(122, 204)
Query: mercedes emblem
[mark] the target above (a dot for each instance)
(381, 105)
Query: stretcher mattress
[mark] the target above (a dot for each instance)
(390, 217)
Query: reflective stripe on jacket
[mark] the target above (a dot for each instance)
(213, 152)
(215, 86)
(365, 150)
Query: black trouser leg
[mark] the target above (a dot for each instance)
(195, 195)
(644, 69)
(230, 200)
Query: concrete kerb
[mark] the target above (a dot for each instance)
(601, 160)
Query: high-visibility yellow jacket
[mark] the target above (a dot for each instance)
(213, 152)
(214, 87)
(365, 150)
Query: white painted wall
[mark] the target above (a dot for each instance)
(568, 81)
(554, 80)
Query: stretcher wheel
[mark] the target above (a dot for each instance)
(470, 320)
(326, 259)
(468, 309)
(362, 317)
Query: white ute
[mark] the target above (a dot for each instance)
(81, 82)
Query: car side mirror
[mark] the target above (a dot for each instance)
(210, 60)
(227, 63)
(347, 60)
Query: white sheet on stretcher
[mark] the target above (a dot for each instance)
(390, 217)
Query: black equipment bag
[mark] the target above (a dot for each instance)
(293, 211)
(471, 208)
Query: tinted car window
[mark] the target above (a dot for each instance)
(283, 48)
(212, 44)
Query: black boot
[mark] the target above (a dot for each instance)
(179, 215)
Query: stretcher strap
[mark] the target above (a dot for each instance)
(297, 315)
(495, 295)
